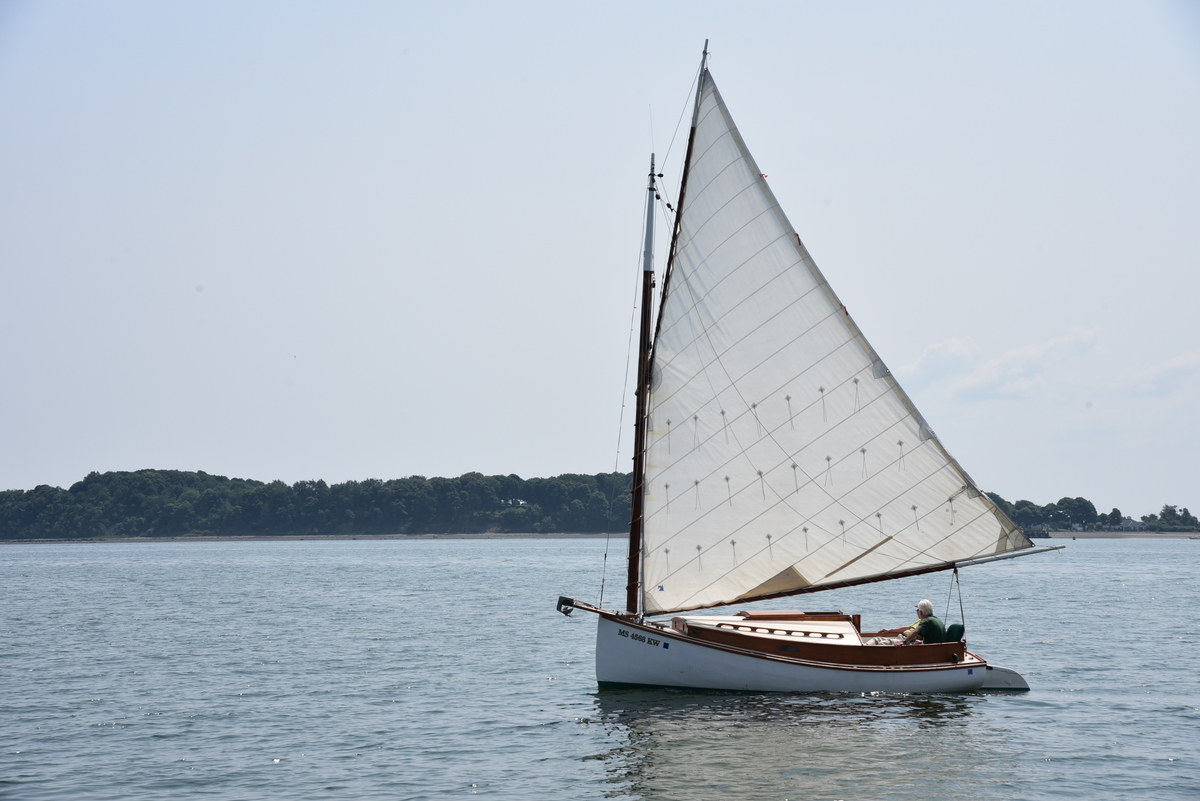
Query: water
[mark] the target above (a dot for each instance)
(439, 669)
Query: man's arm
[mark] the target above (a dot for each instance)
(898, 630)
(915, 633)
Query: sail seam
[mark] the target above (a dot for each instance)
(789, 381)
(791, 457)
(684, 347)
(835, 500)
(698, 267)
(833, 537)
(783, 499)
(808, 444)
(907, 564)
(855, 559)
(698, 162)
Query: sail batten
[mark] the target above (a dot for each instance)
(781, 456)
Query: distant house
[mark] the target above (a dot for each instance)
(1037, 530)
(1129, 524)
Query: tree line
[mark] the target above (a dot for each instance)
(174, 503)
(1081, 512)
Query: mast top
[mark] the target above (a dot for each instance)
(699, 92)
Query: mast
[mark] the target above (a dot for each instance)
(633, 586)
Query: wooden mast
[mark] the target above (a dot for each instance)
(634, 585)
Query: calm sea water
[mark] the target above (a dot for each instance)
(439, 669)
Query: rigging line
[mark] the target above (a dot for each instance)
(661, 191)
(698, 158)
(953, 583)
(621, 418)
(664, 199)
(667, 212)
(962, 614)
(950, 595)
(689, 102)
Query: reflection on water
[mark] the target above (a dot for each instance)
(668, 744)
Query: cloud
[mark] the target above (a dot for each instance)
(1025, 370)
(939, 360)
(1162, 379)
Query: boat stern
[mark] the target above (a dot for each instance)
(1002, 678)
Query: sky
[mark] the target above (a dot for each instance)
(286, 240)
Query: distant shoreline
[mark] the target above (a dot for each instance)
(304, 537)
(1057, 535)
(1119, 535)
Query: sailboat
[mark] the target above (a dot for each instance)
(775, 455)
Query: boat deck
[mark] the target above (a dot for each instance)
(824, 630)
(824, 637)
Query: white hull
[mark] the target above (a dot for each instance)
(647, 655)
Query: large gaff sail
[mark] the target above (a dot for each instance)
(782, 457)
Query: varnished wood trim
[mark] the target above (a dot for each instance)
(791, 614)
(814, 650)
(675, 636)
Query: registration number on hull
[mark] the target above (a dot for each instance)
(639, 637)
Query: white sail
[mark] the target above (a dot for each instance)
(781, 455)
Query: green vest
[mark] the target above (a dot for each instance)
(931, 629)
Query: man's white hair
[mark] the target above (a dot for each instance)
(925, 606)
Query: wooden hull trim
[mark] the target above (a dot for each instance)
(828, 648)
(667, 633)
(631, 653)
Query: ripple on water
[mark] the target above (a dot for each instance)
(436, 669)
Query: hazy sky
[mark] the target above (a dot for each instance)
(353, 240)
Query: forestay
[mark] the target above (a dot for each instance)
(782, 457)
